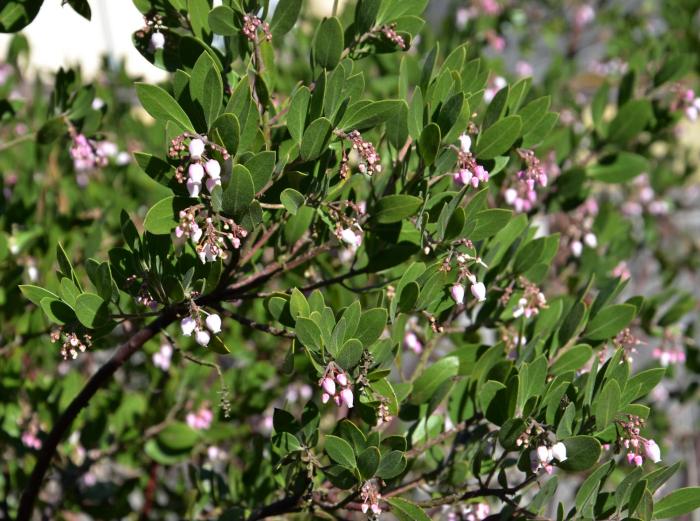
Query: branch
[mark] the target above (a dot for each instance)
(98, 380)
(283, 506)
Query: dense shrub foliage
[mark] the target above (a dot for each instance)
(353, 266)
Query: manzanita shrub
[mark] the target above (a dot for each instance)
(352, 267)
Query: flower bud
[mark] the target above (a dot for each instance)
(591, 240)
(213, 168)
(576, 248)
(213, 322)
(348, 237)
(347, 397)
(542, 453)
(193, 188)
(325, 397)
(211, 184)
(157, 41)
(465, 143)
(187, 325)
(202, 337)
(479, 291)
(196, 148)
(638, 460)
(653, 451)
(559, 451)
(328, 385)
(195, 172)
(457, 292)
(342, 379)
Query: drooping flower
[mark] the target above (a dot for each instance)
(213, 323)
(457, 293)
(196, 148)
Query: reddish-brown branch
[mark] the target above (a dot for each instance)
(99, 379)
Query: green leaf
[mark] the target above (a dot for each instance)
(329, 43)
(340, 451)
(630, 120)
(642, 383)
(228, 128)
(572, 359)
(394, 208)
(393, 463)
(240, 191)
(91, 310)
(677, 503)
(434, 376)
(429, 143)
(415, 115)
(510, 432)
(535, 135)
(404, 510)
(261, 167)
(363, 115)
(57, 311)
(221, 21)
(582, 453)
(292, 200)
(178, 437)
(624, 166)
(610, 321)
(162, 106)
(284, 18)
(368, 462)
(592, 484)
(372, 323)
(308, 333)
(606, 404)
(163, 216)
(298, 306)
(350, 354)
(315, 139)
(206, 87)
(52, 130)
(296, 116)
(35, 294)
(498, 138)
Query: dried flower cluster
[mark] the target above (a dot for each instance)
(369, 161)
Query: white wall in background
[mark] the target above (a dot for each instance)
(60, 37)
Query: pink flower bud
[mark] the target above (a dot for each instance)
(157, 41)
(630, 457)
(365, 508)
(457, 292)
(542, 454)
(196, 148)
(187, 325)
(195, 172)
(193, 188)
(211, 184)
(576, 248)
(213, 168)
(465, 143)
(638, 460)
(342, 379)
(347, 397)
(325, 397)
(202, 337)
(479, 291)
(328, 385)
(559, 451)
(652, 451)
(591, 240)
(213, 322)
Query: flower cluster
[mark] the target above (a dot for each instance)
(542, 457)
(352, 235)
(669, 352)
(209, 233)
(478, 289)
(72, 343)
(643, 197)
(532, 300)
(637, 447)
(626, 341)
(342, 392)
(383, 414)
(194, 324)
(688, 102)
(369, 160)
(370, 498)
(468, 512)
(577, 228)
(163, 356)
(468, 171)
(389, 31)
(30, 436)
(412, 342)
(523, 196)
(251, 24)
(198, 161)
(201, 419)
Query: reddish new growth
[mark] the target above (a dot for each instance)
(370, 162)
(389, 31)
(251, 24)
(72, 344)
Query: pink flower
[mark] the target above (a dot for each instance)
(652, 451)
(213, 168)
(412, 342)
(342, 379)
(479, 291)
(328, 385)
(202, 337)
(347, 397)
(457, 292)
(196, 148)
(188, 325)
(213, 323)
